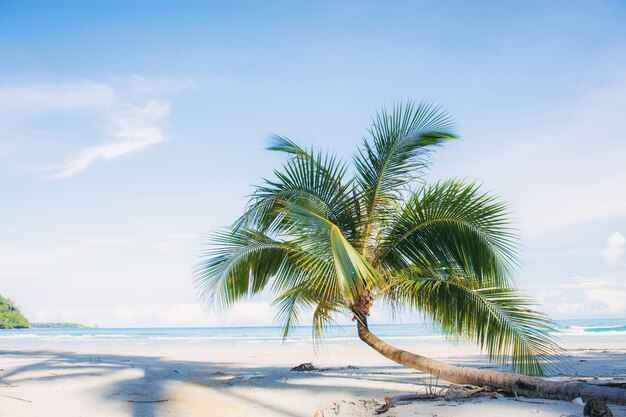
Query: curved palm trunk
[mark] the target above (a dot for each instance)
(511, 383)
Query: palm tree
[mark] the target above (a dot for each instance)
(329, 238)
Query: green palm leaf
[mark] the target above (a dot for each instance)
(320, 235)
(327, 243)
(499, 319)
(310, 179)
(451, 225)
(401, 142)
(240, 263)
(308, 299)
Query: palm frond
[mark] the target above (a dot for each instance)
(310, 179)
(318, 235)
(240, 263)
(308, 297)
(451, 225)
(319, 239)
(401, 140)
(290, 305)
(282, 144)
(499, 319)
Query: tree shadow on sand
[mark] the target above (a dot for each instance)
(153, 378)
(147, 392)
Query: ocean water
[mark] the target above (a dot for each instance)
(569, 330)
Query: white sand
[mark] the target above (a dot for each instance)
(255, 380)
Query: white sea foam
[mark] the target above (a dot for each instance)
(401, 333)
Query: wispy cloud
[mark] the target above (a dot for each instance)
(584, 283)
(251, 312)
(119, 118)
(614, 250)
(136, 130)
(106, 241)
(161, 85)
(585, 297)
(158, 314)
(28, 100)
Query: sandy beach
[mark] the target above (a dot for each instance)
(169, 379)
(195, 194)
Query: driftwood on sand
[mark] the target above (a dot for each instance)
(308, 367)
(593, 408)
(392, 401)
(453, 392)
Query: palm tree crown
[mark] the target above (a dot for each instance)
(332, 238)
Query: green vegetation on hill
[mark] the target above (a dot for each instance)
(57, 325)
(10, 316)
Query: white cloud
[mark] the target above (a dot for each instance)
(153, 110)
(106, 241)
(61, 315)
(182, 314)
(138, 129)
(584, 282)
(585, 297)
(161, 85)
(174, 242)
(102, 121)
(185, 314)
(190, 314)
(32, 99)
(608, 300)
(113, 280)
(614, 250)
(570, 309)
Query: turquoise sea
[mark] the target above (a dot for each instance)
(569, 330)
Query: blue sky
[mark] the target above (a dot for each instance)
(131, 129)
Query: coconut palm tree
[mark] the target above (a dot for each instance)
(330, 238)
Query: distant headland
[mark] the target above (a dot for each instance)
(12, 318)
(58, 326)
(10, 315)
